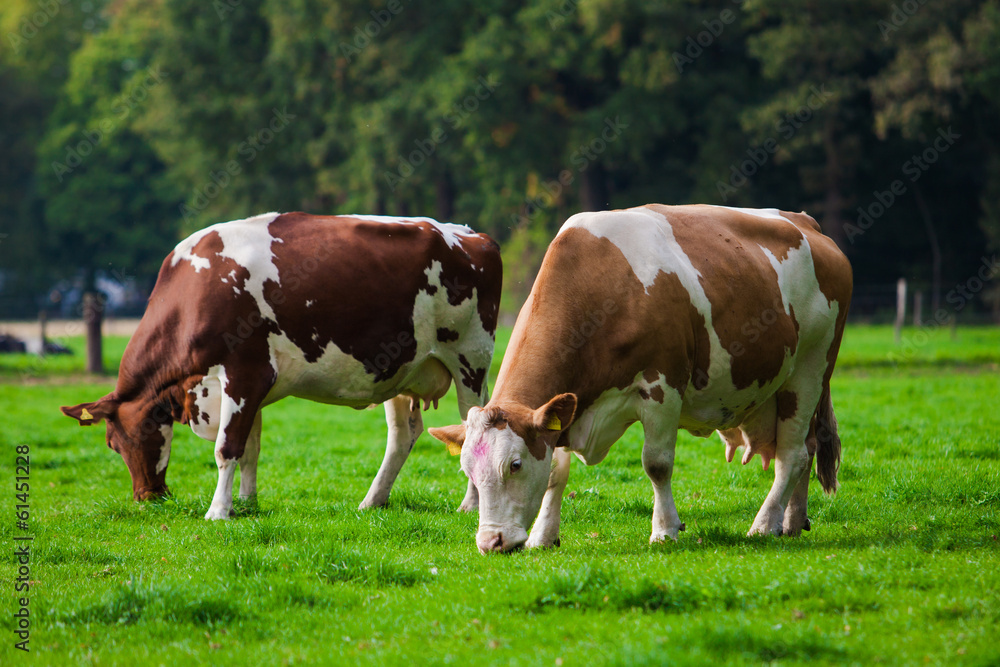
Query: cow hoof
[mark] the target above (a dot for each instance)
(541, 544)
(808, 525)
(217, 514)
(370, 505)
(794, 529)
(467, 508)
(767, 525)
(683, 527)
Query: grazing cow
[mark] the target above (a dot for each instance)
(348, 310)
(697, 317)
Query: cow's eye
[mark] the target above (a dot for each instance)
(515, 465)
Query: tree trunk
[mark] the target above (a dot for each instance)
(93, 314)
(445, 197)
(594, 188)
(42, 321)
(832, 222)
(925, 213)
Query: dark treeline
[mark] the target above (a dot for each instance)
(125, 125)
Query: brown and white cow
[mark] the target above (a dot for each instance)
(347, 310)
(697, 317)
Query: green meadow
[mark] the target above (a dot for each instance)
(902, 565)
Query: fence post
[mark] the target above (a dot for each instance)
(900, 308)
(42, 321)
(93, 311)
(918, 307)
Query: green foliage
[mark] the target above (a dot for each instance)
(507, 116)
(355, 566)
(26, 368)
(106, 199)
(135, 601)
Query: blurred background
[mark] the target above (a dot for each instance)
(125, 125)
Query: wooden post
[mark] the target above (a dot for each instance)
(918, 307)
(900, 308)
(93, 311)
(42, 321)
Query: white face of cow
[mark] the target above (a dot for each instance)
(507, 453)
(510, 479)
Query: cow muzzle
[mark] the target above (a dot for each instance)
(150, 494)
(502, 540)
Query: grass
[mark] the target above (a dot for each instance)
(902, 566)
(26, 368)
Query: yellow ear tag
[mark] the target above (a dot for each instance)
(86, 416)
(554, 424)
(453, 449)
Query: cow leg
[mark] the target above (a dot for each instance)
(230, 446)
(792, 461)
(470, 503)
(466, 400)
(796, 520)
(658, 461)
(545, 531)
(402, 415)
(248, 462)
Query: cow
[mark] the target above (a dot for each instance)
(705, 318)
(347, 310)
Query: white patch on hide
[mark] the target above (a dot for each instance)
(167, 431)
(449, 230)
(771, 213)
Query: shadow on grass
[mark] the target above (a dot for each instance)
(977, 362)
(591, 587)
(417, 501)
(824, 538)
(252, 533)
(123, 508)
(52, 553)
(992, 454)
(343, 565)
(250, 563)
(765, 647)
(134, 601)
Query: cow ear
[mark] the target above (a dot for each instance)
(89, 414)
(453, 436)
(556, 415)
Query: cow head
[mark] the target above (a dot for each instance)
(141, 433)
(507, 453)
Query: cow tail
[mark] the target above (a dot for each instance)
(827, 442)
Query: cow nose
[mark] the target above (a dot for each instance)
(491, 543)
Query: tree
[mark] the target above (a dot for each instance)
(107, 203)
(944, 73)
(37, 43)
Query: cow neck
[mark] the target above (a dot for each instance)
(148, 367)
(536, 366)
